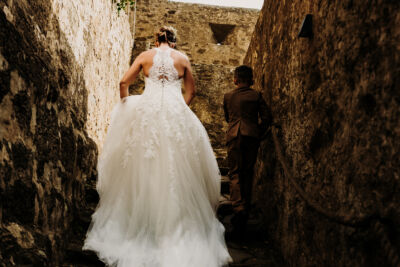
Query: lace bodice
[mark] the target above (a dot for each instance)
(162, 110)
(163, 71)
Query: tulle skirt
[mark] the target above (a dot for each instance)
(159, 186)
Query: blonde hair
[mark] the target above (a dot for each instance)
(166, 34)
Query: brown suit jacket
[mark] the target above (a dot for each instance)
(246, 113)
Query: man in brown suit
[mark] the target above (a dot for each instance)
(248, 117)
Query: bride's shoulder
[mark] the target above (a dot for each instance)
(146, 56)
(148, 52)
(180, 54)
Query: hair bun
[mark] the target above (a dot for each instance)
(166, 34)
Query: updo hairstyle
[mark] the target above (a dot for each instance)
(166, 34)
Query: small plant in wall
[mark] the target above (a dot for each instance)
(123, 4)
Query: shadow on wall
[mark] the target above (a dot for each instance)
(335, 97)
(47, 160)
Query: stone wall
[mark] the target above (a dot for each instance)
(59, 66)
(196, 25)
(100, 41)
(336, 98)
(212, 81)
(214, 38)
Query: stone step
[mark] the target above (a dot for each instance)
(222, 162)
(224, 185)
(221, 155)
(225, 206)
(224, 170)
(74, 256)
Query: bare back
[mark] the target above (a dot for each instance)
(145, 61)
(180, 61)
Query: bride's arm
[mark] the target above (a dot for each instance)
(130, 76)
(188, 83)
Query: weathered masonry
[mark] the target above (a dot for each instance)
(336, 99)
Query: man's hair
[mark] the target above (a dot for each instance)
(244, 74)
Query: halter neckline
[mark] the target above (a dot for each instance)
(163, 50)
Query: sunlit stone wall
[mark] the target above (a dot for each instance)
(101, 42)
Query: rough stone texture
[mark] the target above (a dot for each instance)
(212, 81)
(101, 43)
(196, 36)
(336, 98)
(52, 58)
(212, 62)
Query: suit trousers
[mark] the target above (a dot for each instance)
(242, 155)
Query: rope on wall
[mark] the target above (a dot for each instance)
(341, 218)
(345, 219)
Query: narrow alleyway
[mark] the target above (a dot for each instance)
(327, 180)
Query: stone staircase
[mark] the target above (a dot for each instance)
(255, 250)
(221, 156)
(250, 254)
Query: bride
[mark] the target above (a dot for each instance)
(158, 179)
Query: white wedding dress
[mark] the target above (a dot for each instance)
(158, 181)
